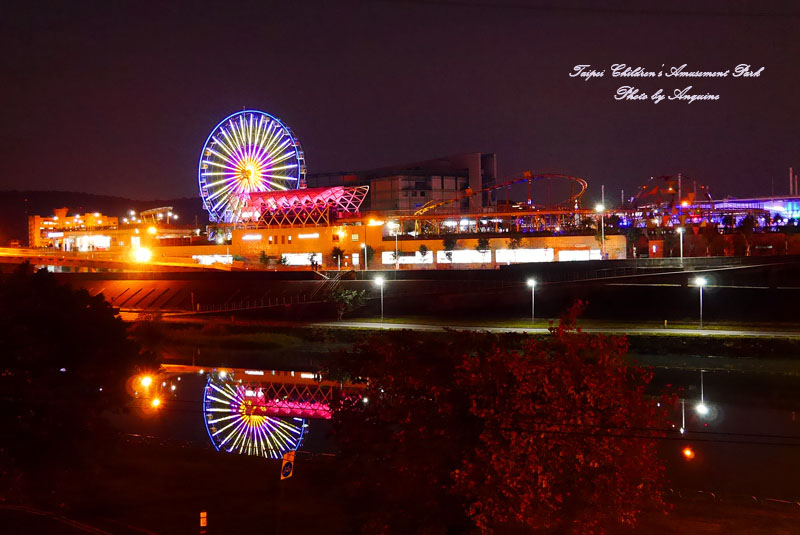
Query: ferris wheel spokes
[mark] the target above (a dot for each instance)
(249, 151)
(237, 420)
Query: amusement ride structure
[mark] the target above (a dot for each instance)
(252, 174)
(247, 152)
(670, 191)
(527, 177)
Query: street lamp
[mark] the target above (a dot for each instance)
(395, 226)
(680, 231)
(601, 210)
(364, 247)
(700, 282)
(532, 284)
(379, 283)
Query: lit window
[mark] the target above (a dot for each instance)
(354, 237)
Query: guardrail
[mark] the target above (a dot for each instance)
(253, 304)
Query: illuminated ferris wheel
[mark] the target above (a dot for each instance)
(248, 151)
(239, 419)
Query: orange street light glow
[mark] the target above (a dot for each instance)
(155, 403)
(146, 381)
(142, 254)
(688, 453)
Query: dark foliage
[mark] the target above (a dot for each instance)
(467, 432)
(65, 359)
(346, 300)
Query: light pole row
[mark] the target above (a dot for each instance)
(699, 281)
(532, 284)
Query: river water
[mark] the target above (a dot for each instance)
(747, 445)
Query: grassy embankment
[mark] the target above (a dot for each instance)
(292, 346)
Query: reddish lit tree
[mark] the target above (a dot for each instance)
(398, 448)
(561, 447)
(465, 432)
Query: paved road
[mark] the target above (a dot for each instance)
(543, 330)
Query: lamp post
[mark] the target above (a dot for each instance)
(601, 210)
(364, 247)
(532, 284)
(700, 282)
(681, 231)
(341, 235)
(395, 226)
(379, 283)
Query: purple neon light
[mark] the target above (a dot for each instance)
(249, 151)
(239, 419)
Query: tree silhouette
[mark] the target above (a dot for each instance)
(482, 247)
(337, 254)
(66, 358)
(346, 300)
(746, 227)
(497, 433)
(424, 251)
(449, 243)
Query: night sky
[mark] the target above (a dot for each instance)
(118, 97)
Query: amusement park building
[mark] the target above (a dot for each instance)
(48, 231)
(408, 187)
(787, 207)
(296, 245)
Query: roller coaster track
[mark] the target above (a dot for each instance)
(527, 176)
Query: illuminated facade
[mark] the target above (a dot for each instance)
(51, 231)
(294, 246)
(787, 207)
